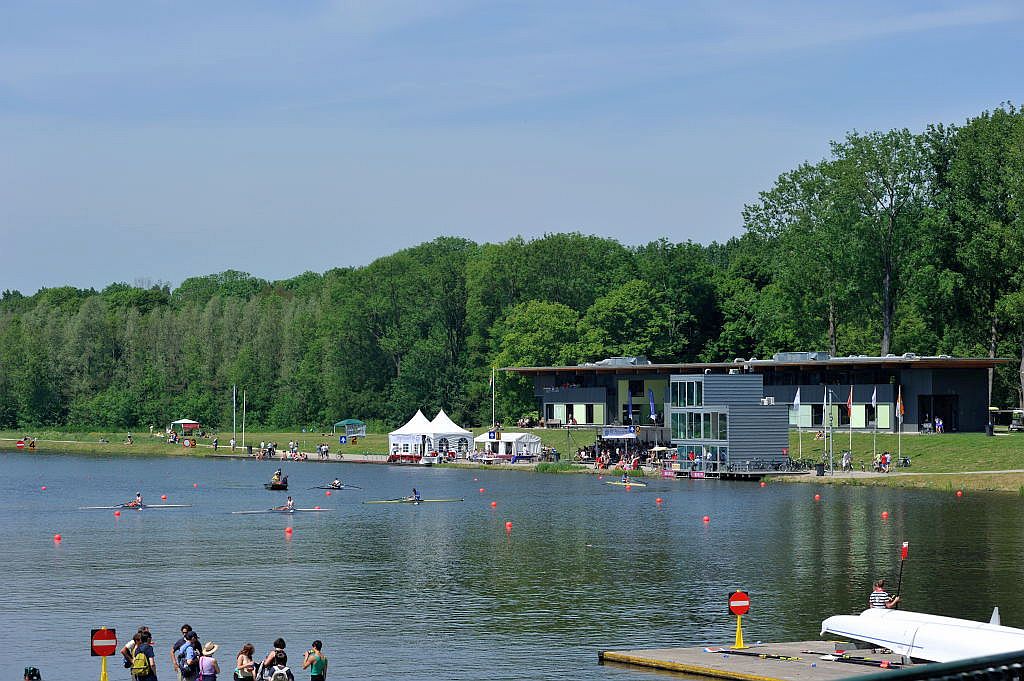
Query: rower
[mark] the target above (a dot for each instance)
(136, 502)
(625, 477)
(336, 484)
(416, 496)
(289, 505)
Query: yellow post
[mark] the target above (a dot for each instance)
(739, 635)
(103, 669)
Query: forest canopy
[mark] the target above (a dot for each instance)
(896, 242)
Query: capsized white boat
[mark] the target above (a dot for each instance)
(926, 637)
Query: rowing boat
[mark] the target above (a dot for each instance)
(410, 501)
(132, 508)
(339, 487)
(283, 510)
(276, 486)
(627, 484)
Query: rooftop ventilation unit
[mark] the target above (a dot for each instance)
(909, 355)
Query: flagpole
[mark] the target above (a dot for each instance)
(493, 417)
(234, 412)
(243, 419)
(850, 415)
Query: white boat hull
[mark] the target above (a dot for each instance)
(925, 637)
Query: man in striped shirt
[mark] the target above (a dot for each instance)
(880, 598)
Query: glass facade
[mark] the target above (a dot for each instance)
(700, 425)
(687, 393)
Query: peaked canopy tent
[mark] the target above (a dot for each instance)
(509, 443)
(185, 424)
(410, 438)
(353, 427)
(446, 436)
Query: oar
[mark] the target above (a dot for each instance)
(763, 656)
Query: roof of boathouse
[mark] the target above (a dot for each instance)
(810, 360)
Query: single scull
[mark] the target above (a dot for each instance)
(410, 501)
(283, 510)
(132, 508)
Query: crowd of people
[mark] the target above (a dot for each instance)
(193, 660)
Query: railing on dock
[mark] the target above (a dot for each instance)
(1003, 667)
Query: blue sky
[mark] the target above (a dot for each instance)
(160, 140)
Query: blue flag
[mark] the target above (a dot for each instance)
(654, 412)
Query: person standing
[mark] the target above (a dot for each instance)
(279, 646)
(245, 667)
(316, 662)
(144, 660)
(208, 667)
(880, 598)
(188, 657)
(185, 629)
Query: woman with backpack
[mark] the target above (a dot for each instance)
(144, 659)
(208, 667)
(279, 670)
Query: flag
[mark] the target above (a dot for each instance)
(899, 404)
(874, 398)
(490, 382)
(904, 550)
(849, 404)
(796, 401)
(654, 412)
(630, 393)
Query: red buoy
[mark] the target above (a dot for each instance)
(317, 507)
(628, 487)
(494, 504)
(707, 519)
(885, 515)
(43, 488)
(508, 526)
(57, 538)
(163, 497)
(117, 514)
(817, 497)
(658, 500)
(195, 484)
(328, 493)
(763, 483)
(482, 490)
(288, 530)
(959, 493)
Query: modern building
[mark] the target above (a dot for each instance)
(631, 390)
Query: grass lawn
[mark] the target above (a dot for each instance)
(947, 453)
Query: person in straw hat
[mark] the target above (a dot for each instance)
(208, 667)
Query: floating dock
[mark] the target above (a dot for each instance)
(796, 661)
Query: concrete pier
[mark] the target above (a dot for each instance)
(801, 661)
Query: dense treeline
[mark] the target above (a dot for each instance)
(897, 242)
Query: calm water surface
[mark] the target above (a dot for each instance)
(440, 591)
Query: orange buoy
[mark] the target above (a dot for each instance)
(117, 514)
(494, 504)
(163, 497)
(885, 515)
(658, 500)
(57, 538)
(817, 497)
(707, 519)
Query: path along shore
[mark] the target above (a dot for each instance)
(1001, 480)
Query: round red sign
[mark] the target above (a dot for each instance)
(103, 642)
(739, 603)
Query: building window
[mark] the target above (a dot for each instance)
(549, 412)
(589, 413)
(688, 394)
(636, 388)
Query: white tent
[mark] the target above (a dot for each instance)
(509, 443)
(409, 439)
(446, 436)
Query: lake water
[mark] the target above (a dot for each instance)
(439, 590)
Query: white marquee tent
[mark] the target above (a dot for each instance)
(509, 443)
(410, 438)
(446, 436)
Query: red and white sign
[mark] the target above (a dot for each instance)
(21, 444)
(103, 642)
(739, 603)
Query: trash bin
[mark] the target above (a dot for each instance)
(819, 469)
(989, 429)
(248, 450)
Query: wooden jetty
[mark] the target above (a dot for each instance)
(794, 661)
